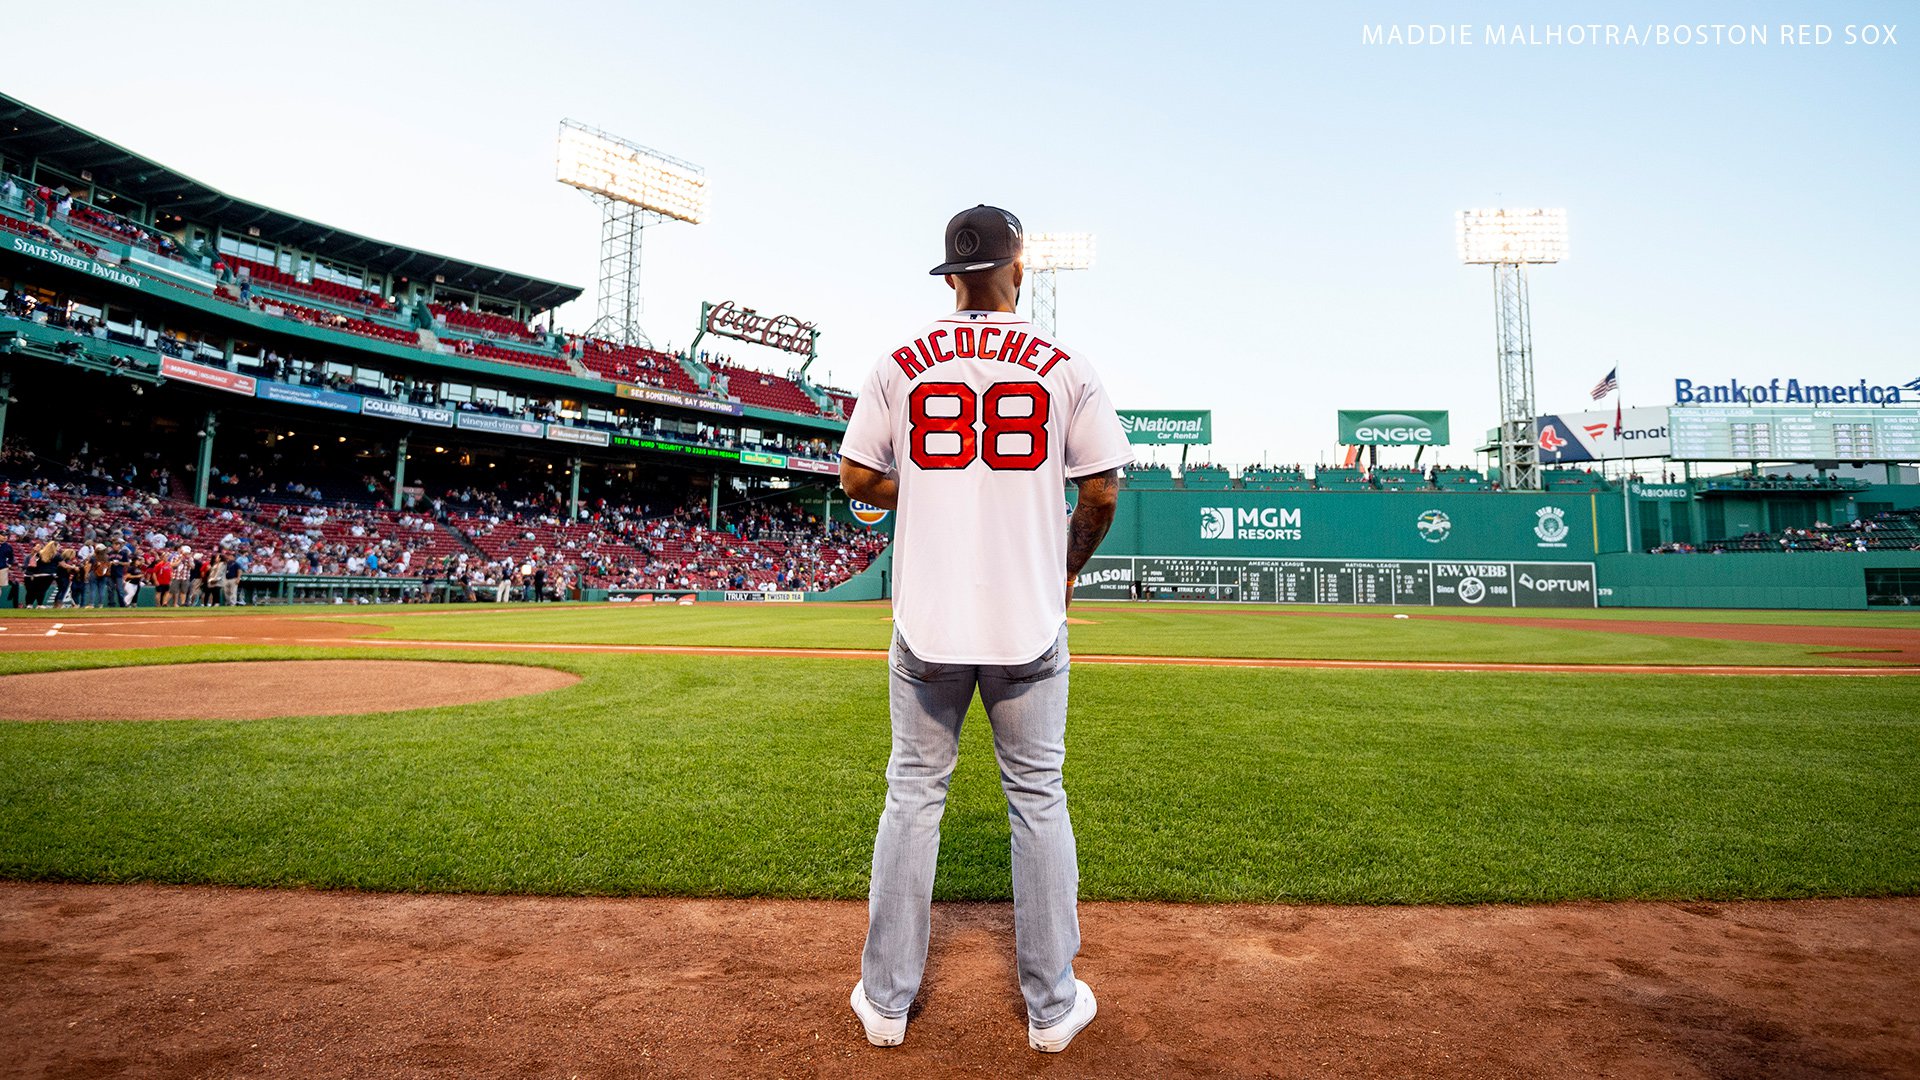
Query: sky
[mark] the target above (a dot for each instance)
(1273, 196)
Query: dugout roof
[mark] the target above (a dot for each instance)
(29, 134)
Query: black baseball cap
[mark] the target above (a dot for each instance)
(983, 238)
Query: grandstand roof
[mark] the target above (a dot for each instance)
(27, 132)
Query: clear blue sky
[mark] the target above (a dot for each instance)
(1273, 198)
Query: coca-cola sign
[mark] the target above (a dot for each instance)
(783, 332)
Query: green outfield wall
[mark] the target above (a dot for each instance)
(1481, 549)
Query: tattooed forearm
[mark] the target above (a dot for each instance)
(1092, 516)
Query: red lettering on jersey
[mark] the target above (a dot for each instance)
(963, 342)
(1034, 345)
(924, 354)
(1056, 358)
(1011, 346)
(940, 354)
(981, 349)
(904, 357)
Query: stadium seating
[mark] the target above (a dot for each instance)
(633, 364)
(274, 279)
(1573, 480)
(547, 361)
(1399, 479)
(766, 390)
(1146, 476)
(1326, 479)
(1206, 478)
(483, 322)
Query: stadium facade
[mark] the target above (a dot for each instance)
(219, 356)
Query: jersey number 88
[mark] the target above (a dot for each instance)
(987, 411)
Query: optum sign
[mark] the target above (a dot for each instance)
(1364, 427)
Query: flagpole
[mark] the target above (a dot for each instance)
(1619, 437)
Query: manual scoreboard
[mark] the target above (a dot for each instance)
(1397, 583)
(1765, 433)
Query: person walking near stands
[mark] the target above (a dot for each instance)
(34, 575)
(196, 578)
(539, 582)
(119, 562)
(9, 586)
(162, 570)
(230, 585)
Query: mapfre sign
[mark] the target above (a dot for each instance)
(783, 332)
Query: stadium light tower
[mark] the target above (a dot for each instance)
(634, 187)
(1509, 240)
(1046, 254)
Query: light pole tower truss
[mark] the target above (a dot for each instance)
(634, 187)
(1045, 255)
(1509, 240)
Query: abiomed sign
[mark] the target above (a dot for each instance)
(1406, 427)
(1167, 425)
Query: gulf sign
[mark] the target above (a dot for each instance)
(1393, 427)
(866, 513)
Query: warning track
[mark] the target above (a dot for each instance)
(137, 633)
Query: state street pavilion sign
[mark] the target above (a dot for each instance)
(1166, 426)
(1393, 427)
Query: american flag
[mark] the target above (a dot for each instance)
(1607, 385)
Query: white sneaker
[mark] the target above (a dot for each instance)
(881, 1030)
(1055, 1036)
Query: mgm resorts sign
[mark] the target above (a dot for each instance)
(1403, 427)
(1167, 425)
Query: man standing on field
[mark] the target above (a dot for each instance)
(971, 428)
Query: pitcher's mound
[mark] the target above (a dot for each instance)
(259, 689)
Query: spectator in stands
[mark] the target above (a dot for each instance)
(9, 588)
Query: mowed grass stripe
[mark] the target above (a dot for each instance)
(742, 777)
(1136, 631)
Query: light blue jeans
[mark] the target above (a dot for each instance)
(1027, 706)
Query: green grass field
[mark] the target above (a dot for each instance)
(1217, 631)
(688, 775)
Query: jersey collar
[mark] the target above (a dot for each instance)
(976, 318)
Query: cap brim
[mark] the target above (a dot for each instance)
(971, 267)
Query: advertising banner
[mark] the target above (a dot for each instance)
(502, 425)
(1393, 427)
(402, 410)
(742, 596)
(661, 396)
(74, 261)
(287, 393)
(212, 378)
(578, 436)
(1381, 582)
(808, 465)
(634, 443)
(1565, 438)
(755, 457)
(1663, 492)
(1167, 425)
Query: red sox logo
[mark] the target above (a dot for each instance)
(1550, 439)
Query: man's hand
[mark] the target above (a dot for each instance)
(1071, 578)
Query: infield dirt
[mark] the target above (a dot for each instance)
(172, 981)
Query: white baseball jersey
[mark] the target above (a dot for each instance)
(984, 422)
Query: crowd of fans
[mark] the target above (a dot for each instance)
(86, 534)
